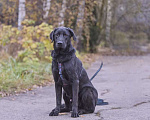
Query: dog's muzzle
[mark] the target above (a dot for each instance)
(60, 44)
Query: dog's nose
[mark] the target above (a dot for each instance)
(60, 43)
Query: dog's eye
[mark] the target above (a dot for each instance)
(57, 35)
(65, 35)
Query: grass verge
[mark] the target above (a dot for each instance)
(16, 77)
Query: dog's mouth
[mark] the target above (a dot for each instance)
(60, 48)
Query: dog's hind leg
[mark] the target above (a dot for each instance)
(87, 100)
(67, 106)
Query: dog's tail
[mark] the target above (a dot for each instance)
(97, 71)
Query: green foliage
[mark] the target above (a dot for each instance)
(141, 38)
(28, 22)
(128, 41)
(121, 40)
(138, 39)
(94, 38)
(8, 34)
(17, 76)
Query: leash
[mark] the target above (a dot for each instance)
(63, 80)
(97, 71)
(99, 101)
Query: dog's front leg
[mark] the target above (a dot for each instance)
(56, 111)
(75, 90)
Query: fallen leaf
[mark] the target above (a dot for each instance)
(63, 113)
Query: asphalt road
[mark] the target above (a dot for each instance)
(124, 82)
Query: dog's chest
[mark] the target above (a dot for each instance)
(63, 76)
(64, 80)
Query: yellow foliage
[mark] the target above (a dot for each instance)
(33, 46)
(8, 11)
(34, 41)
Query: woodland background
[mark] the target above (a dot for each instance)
(25, 25)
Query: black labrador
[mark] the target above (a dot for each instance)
(79, 94)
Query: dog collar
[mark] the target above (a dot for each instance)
(63, 57)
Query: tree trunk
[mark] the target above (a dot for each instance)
(46, 8)
(62, 13)
(79, 27)
(22, 13)
(108, 23)
(101, 18)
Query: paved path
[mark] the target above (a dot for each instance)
(124, 82)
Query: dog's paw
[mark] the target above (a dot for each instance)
(54, 112)
(74, 114)
(80, 112)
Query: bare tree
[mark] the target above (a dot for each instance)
(22, 13)
(62, 13)
(108, 21)
(79, 27)
(46, 8)
(101, 14)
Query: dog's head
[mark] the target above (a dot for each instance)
(62, 37)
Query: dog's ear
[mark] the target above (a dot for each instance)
(52, 34)
(72, 34)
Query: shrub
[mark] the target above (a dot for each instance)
(33, 42)
(121, 39)
(141, 38)
(28, 22)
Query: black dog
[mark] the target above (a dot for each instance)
(79, 94)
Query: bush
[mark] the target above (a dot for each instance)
(28, 22)
(33, 42)
(121, 39)
(141, 38)
(32, 62)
